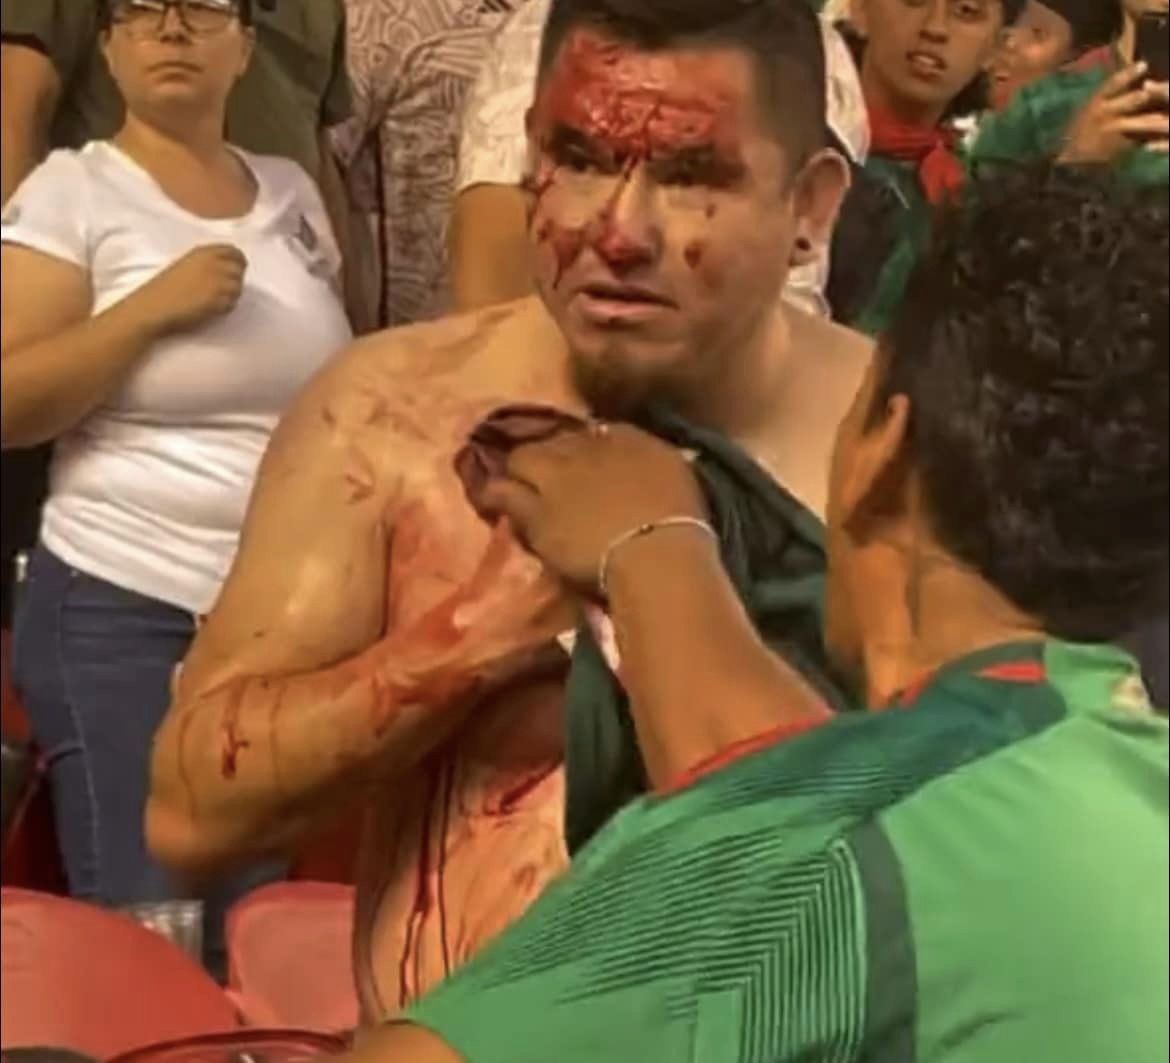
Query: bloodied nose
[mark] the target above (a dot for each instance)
(627, 236)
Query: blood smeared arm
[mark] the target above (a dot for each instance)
(295, 693)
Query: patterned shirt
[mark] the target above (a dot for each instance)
(411, 65)
(977, 874)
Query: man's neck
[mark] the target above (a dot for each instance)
(881, 99)
(940, 614)
(822, 369)
(741, 396)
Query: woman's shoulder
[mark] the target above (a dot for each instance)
(276, 171)
(59, 183)
(64, 164)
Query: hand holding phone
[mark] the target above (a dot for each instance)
(1128, 109)
(1151, 41)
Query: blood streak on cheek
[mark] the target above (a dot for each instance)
(567, 243)
(538, 184)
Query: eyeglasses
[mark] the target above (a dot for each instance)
(146, 18)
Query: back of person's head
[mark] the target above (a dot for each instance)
(1032, 344)
(782, 37)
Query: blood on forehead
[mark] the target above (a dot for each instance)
(637, 104)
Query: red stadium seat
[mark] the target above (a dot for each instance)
(30, 859)
(84, 978)
(271, 1046)
(290, 956)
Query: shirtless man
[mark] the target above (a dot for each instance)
(376, 641)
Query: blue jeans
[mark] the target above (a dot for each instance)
(93, 664)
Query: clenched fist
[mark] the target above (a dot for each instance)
(205, 283)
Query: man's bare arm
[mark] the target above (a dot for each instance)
(293, 692)
(488, 247)
(29, 90)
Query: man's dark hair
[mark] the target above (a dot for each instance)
(1032, 343)
(782, 37)
(105, 11)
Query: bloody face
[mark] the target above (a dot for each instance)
(661, 218)
(920, 54)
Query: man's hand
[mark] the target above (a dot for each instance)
(571, 497)
(1126, 111)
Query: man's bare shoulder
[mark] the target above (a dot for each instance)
(449, 347)
(846, 344)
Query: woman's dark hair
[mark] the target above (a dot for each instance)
(1032, 344)
(105, 11)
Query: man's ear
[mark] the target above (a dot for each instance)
(820, 188)
(876, 481)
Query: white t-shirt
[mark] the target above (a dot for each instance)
(149, 491)
(493, 147)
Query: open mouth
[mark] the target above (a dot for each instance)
(626, 294)
(926, 64)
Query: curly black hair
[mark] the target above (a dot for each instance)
(1032, 343)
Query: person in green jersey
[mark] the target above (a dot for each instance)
(1108, 112)
(974, 871)
(923, 67)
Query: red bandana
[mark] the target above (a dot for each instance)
(933, 149)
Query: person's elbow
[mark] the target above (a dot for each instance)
(19, 426)
(180, 841)
(488, 247)
(185, 827)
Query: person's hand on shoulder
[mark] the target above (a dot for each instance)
(571, 498)
(1125, 112)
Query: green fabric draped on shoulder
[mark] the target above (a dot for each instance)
(773, 551)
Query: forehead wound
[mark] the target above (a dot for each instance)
(638, 102)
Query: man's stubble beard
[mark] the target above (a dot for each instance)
(616, 390)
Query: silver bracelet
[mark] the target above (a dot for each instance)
(640, 531)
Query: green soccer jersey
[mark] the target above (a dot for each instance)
(977, 874)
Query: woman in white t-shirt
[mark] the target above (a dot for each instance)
(164, 298)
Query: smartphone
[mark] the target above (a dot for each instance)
(1150, 44)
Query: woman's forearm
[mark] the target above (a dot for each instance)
(698, 676)
(52, 384)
